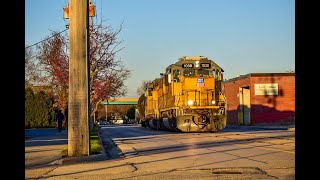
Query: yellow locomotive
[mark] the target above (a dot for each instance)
(187, 97)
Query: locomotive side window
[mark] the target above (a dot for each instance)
(217, 74)
(189, 72)
(176, 75)
(214, 73)
(168, 77)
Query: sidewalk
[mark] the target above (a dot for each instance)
(43, 151)
(264, 127)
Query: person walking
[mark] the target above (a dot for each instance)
(66, 116)
(188, 125)
(60, 117)
(55, 117)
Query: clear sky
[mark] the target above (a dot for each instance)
(242, 36)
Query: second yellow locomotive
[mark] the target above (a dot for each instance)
(187, 97)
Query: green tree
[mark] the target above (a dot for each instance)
(43, 108)
(38, 109)
(131, 112)
(29, 104)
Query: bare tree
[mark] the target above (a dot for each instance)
(107, 73)
(141, 102)
(142, 88)
(31, 73)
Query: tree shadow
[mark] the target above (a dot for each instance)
(43, 137)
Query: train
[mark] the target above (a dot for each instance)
(187, 97)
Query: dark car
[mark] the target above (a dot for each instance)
(102, 122)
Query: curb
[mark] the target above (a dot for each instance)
(57, 162)
(289, 128)
(82, 159)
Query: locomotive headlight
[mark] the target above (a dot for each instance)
(190, 102)
(213, 102)
(197, 64)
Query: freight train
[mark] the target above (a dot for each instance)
(187, 97)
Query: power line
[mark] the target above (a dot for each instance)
(47, 38)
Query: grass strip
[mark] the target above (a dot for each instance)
(95, 143)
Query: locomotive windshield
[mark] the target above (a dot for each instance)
(189, 72)
(203, 72)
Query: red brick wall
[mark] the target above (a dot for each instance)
(273, 109)
(231, 90)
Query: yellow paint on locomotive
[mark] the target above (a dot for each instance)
(191, 85)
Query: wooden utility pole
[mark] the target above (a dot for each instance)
(78, 122)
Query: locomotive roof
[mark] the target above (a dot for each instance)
(193, 58)
(152, 84)
(190, 59)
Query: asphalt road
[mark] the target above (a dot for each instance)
(133, 152)
(231, 153)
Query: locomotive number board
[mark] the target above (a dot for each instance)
(190, 65)
(205, 65)
(187, 65)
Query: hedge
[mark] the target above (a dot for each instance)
(38, 109)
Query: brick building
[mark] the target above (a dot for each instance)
(260, 99)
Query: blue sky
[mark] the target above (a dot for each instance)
(242, 36)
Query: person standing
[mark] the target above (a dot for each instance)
(188, 125)
(55, 117)
(66, 116)
(60, 118)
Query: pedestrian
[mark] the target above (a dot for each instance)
(188, 125)
(66, 116)
(55, 117)
(158, 124)
(60, 117)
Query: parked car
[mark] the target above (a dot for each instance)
(102, 122)
(118, 121)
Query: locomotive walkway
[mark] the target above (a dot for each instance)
(43, 153)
